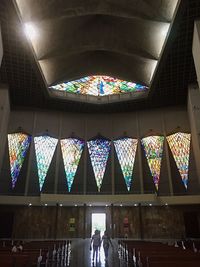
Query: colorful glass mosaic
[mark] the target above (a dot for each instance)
(99, 151)
(126, 151)
(179, 144)
(18, 144)
(98, 85)
(153, 147)
(44, 148)
(71, 151)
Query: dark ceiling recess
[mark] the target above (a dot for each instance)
(27, 90)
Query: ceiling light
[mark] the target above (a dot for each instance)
(30, 31)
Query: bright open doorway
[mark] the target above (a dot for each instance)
(98, 222)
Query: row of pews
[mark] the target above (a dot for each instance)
(36, 253)
(157, 254)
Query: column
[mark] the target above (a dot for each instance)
(58, 156)
(194, 119)
(194, 98)
(84, 220)
(140, 156)
(4, 119)
(167, 155)
(85, 159)
(31, 154)
(1, 47)
(196, 49)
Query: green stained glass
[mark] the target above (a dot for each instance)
(179, 144)
(126, 151)
(18, 144)
(153, 147)
(99, 151)
(44, 148)
(71, 151)
(98, 85)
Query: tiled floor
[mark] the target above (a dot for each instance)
(81, 256)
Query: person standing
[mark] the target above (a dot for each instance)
(106, 243)
(96, 241)
(14, 249)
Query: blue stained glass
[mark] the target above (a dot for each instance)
(18, 144)
(179, 144)
(99, 151)
(153, 147)
(126, 151)
(72, 149)
(44, 148)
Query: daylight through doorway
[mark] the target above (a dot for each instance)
(98, 222)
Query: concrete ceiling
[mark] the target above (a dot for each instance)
(109, 52)
(73, 39)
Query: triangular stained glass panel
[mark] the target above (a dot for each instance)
(153, 147)
(99, 151)
(44, 148)
(99, 85)
(126, 151)
(18, 144)
(71, 151)
(179, 144)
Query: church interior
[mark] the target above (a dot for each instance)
(100, 130)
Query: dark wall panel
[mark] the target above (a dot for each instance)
(155, 222)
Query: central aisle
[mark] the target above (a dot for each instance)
(81, 256)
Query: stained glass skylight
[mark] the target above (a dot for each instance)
(44, 148)
(18, 144)
(98, 85)
(72, 149)
(153, 147)
(126, 151)
(99, 151)
(179, 144)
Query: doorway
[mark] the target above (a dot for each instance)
(98, 222)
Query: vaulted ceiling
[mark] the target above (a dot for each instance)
(123, 39)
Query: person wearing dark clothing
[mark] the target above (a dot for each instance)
(106, 243)
(96, 241)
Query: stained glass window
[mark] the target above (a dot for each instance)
(44, 148)
(179, 144)
(126, 151)
(18, 144)
(153, 147)
(71, 151)
(98, 85)
(99, 151)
